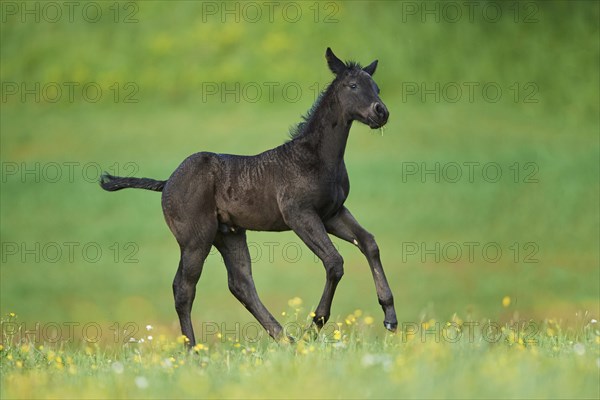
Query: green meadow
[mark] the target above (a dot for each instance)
(482, 192)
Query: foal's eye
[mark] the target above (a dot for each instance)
(353, 86)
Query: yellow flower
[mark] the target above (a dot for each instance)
(198, 347)
(182, 339)
(12, 314)
(337, 335)
(312, 314)
(511, 337)
(505, 301)
(368, 320)
(19, 364)
(295, 302)
(300, 348)
(9, 357)
(456, 319)
(1, 347)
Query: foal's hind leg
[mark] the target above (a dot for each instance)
(195, 235)
(344, 226)
(234, 249)
(184, 284)
(188, 203)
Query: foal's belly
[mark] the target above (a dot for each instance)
(249, 209)
(231, 220)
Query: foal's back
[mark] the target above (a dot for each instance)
(239, 191)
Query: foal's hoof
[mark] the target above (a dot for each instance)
(319, 321)
(287, 339)
(390, 326)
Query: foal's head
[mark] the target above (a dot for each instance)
(356, 91)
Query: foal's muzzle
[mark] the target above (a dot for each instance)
(379, 115)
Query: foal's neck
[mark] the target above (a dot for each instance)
(327, 131)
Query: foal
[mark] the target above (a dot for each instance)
(212, 199)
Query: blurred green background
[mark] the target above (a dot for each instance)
(166, 57)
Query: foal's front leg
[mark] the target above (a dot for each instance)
(344, 226)
(309, 227)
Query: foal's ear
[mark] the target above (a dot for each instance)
(335, 64)
(370, 69)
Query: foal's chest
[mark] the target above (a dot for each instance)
(334, 192)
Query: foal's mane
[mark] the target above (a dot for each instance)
(299, 129)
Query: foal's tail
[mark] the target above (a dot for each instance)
(112, 183)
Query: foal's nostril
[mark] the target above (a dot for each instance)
(379, 113)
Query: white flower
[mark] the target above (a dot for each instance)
(117, 367)
(150, 338)
(367, 360)
(149, 327)
(141, 382)
(141, 340)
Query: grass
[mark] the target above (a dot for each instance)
(429, 359)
